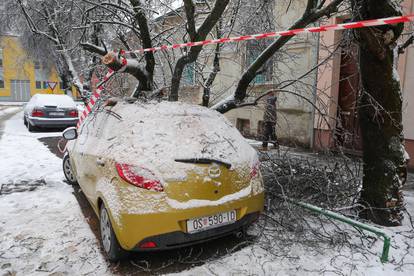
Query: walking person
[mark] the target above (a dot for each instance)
(270, 119)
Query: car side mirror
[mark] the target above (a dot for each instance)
(70, 133)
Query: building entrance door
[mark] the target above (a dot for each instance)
(20, 90)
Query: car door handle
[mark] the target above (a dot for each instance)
(100, 162)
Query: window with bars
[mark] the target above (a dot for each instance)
(253, 50)
(188, 76)
(1, 69)
(243, 125)
(62, 85)
(39, 76)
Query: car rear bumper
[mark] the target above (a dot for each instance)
(179, 239)
(53, 122)
(168, 228)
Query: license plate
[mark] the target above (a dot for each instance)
(209, 222)
(56, 113)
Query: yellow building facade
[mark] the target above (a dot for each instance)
(22, 76)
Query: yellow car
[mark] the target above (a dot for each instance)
(163, 175)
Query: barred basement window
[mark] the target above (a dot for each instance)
(1, 69)
(188, 76)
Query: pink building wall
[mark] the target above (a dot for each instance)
(328, 86)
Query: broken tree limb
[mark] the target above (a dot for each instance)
(133, 67)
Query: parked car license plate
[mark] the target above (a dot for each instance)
(209, 222)
(56, 113)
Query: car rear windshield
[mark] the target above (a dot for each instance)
(177, 131)
(62, 101)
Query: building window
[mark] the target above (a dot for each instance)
(40, 76)
(1, 57)
(1, 78)
(254, 49)
(1, 69)
(188, 76)
(243, 125)
(62, 85)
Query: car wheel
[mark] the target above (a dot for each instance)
(109, 241)
(67, 171)
(24, 121)
(31, 127)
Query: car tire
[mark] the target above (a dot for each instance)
(67, 171)
(24, 121)
(31, 127)
(110, 243)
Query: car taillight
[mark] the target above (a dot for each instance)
(37, 113)
(138, 176)
(255, 169)
(73, 113)
(149, 244)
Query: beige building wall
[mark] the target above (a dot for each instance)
(295, 123)
(295, 114)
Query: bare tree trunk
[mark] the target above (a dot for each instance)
(380, 114)
(147, 83)
(216, 68)
(195, 35)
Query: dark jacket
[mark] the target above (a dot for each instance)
(270, 110)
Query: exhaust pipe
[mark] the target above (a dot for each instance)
(239, 234)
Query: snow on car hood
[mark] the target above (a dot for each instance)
(154, 135)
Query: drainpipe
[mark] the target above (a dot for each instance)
(344, 219)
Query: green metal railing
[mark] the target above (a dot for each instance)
(344, 219)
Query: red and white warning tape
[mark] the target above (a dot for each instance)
(352, 25)
(97, 94)
(344, 26)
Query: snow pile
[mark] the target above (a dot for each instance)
(8, 110)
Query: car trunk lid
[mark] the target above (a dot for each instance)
(206, 181)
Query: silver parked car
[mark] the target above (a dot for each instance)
(50, 111)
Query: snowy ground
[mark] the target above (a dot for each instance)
(5, 110)
(44, 232)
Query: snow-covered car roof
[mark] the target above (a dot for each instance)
(160, 133)
(63, 101)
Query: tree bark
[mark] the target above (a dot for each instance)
(380, 112)
(216, 68)
(201, 34)
(146, 41)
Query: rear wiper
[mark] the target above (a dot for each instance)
(203, 161)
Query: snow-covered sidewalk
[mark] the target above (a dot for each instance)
(4, 111)
(42, 231)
